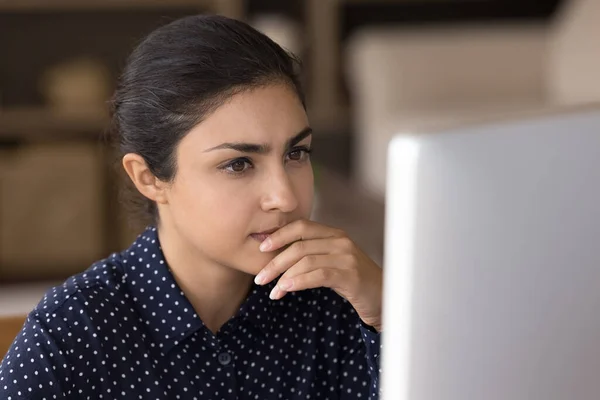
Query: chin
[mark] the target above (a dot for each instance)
(251, 260)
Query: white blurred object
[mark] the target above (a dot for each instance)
(492, 285)
(416, 80)
(282, 30)
(413, 80)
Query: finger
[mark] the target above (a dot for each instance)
(294, 253)
(322, 277)
(298, 230)
(305, 265)
(310, 263)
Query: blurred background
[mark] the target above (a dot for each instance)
(372, 68)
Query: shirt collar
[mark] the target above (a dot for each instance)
(164, 308)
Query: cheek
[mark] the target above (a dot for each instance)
(304, 189)
(214, 212)
(215, 218)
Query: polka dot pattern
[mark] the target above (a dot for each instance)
(123, 329)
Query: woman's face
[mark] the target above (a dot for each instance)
(244, 170)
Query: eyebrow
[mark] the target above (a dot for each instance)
(262, 148)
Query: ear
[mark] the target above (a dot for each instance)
(143, 179)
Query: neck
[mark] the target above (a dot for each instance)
(215, 291)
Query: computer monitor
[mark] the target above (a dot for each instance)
(492, 262)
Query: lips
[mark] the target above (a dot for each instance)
(261, 236)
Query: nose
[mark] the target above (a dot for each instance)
(279, 193)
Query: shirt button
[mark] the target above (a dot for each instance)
(224, 358)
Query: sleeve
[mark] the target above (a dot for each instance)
(359, 372)
(34, 367)
(372, 341)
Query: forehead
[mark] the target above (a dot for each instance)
(270, 114)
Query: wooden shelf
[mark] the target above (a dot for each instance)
(25, 123)
(78, 5)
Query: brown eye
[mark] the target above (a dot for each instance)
(295, 155)
(299, 154)
(238, 166)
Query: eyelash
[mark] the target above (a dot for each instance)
(225, 168)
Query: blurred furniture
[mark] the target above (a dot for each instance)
(52, 213)
(9, 327)
(59, 209)
(423, 79)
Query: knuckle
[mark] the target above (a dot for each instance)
(333, 279)
(340, 233)
(311, 259)
(299, 228)
(347, 243)
(299, 247)
(325, 275)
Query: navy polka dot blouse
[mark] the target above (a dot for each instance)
(123, 329)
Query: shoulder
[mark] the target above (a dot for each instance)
(75, 316)
(99, 287)
(57, 332)
(41, 357)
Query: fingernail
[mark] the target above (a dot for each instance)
(260, 278)
(274, 293)
(285, 285)
(265, 245)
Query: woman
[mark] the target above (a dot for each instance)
(232, 292)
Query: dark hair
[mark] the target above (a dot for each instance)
(182, 72)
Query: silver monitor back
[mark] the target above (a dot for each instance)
(492, 262)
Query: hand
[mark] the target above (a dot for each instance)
(318, 256)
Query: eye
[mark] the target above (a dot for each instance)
(238, 166)
(299, 154)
